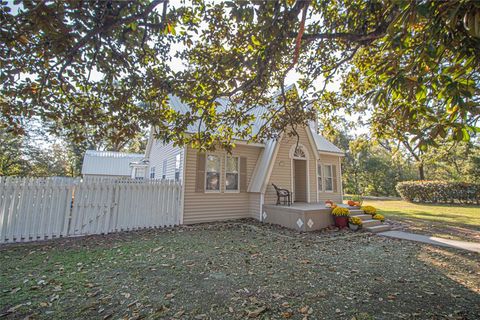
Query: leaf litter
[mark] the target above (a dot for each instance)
(237, 270)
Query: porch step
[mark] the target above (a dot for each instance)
(364, 217)
(354, 212)
(371, 222)
(378, 228)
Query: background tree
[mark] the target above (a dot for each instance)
(374, 167)
(11, 162)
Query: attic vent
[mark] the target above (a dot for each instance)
(299, 153)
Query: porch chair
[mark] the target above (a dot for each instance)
(283, 193)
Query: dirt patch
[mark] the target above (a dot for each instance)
(235, 271)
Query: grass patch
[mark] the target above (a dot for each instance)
(451, 214)
(225, 271)
(460, 222)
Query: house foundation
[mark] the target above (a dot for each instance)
(299, 216)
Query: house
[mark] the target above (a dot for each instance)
(220, 186)
(109, 164)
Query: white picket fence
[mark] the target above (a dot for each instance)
(45, 208)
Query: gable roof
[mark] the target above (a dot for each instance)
(325, 146)
(322, 144)
(109, 163)
(264, 167)
(223, 105)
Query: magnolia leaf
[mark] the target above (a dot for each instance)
(255, 40)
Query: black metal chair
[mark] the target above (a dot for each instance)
(283, 194)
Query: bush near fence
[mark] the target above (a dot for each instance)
(439, 192)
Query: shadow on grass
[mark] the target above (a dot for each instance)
(227, 272)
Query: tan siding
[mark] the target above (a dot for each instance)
(254, 201)
(211, 206)
(282, 172)
(335, 196)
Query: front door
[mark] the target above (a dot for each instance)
(300, 180)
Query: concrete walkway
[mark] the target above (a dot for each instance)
(469, 246)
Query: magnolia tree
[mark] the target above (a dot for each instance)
(106, 67)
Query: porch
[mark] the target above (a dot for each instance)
(300, 216)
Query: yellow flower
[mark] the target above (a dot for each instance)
(378, 216)
(340, 212)
(369, 210)
(356, 220)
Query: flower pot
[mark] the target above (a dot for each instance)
(353, 227)
(341, 222)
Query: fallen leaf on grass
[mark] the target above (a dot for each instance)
(131, 303)
(255, 313)
(15, 290)
(179, 314)
(94, 294)
(305, 310)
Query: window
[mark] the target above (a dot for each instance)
(152, 173)
(177, 167)
(139, 173)
(231, 174)
(319, 177)
(328, 177)
(164, 169)
(213, 173)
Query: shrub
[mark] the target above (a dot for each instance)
(439, 192)
(378, 216)
(341, 212)
(369, 210)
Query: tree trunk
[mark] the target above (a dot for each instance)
(421, 171)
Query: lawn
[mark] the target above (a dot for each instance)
(236, 271)
(451, 221)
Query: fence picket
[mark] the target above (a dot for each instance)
(46, 208)
(11, 214)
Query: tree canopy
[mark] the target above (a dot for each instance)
(105, 66)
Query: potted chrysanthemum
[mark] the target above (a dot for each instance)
(340, 215)
(369, 210)
(355, 223)
(378, 216)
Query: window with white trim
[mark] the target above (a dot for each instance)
(212, 173)
(328, 177)
(232, 174)
(319, 177)
(152, 172)
(164, 169)
(177, 167)
(139, 173)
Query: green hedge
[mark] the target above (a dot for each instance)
(439, 192)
